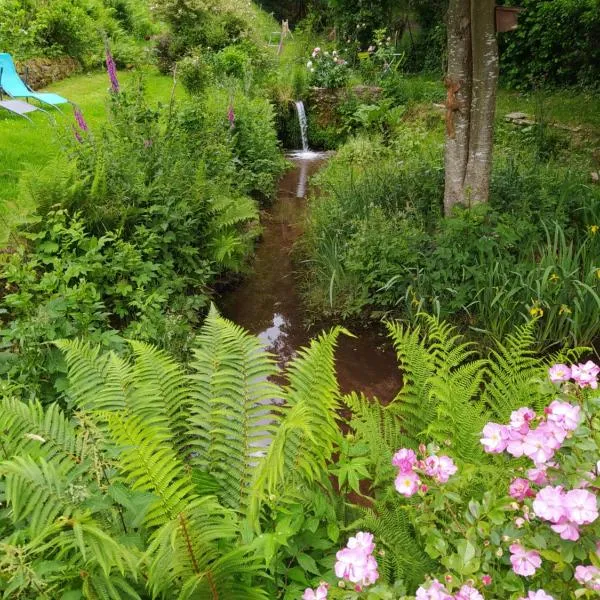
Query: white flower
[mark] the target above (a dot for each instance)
(309, 64)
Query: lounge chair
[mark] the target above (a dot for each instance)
(12, 85)
(18, 107)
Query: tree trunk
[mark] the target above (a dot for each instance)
(471, 101)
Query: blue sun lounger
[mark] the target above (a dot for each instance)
(12, 85)
(18, 107)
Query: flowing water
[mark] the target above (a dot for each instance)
(267, 303)
(303, 125)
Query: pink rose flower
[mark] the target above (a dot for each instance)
(539, 446)
(439, 467)
(588, 576)
(495, 438)
(319, 594)
(538, 475)
(519, 489)
(585, 375)
(581, 506)
(516, 443)
(435, 591)
(564, 415)
(539, 595)
(405, 459)
(486, 579)
(524, 562)
(362, 540)
(446, 468)
(520, 419)
(407, 484)
(549, 504)
(468, 592)
(559, 373)
(566, 529)
(355, 562)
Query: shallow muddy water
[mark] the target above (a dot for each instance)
(267, 302)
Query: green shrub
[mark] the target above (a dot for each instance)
(158, 228)
(328, 69)
(556, 43)
(247, 147)
(195, 73)
(63, 27)
(232, 61)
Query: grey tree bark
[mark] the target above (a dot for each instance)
(471, 84)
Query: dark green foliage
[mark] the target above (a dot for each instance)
(142, 489)
(134, 229)
(376, 242)
(556, 43)
(74, 28)
(195, 73)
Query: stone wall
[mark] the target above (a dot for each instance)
(41, 72)
(323, 102)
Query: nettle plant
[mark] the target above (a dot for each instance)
(537, 539)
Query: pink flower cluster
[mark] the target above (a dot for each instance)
(356, 562)
(319, 594)
(539, 444)
(436, 591)
(588, 577)
(539, 595)
(566, 510)
(583, 374)
(524, 562)
(408, 482)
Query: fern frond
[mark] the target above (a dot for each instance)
(97, 381)
(29, 429)
(38, 492)
(232, 420)
(160, 394)
(515, 373)
(404, 558)
(304, 442)
(151, 465)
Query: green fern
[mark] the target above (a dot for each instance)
(309, 433)
(231, 419)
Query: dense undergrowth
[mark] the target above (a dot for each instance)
(134, 221)
(152, 449)
(149, 479)
(377, 244)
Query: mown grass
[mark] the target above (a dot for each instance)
(26, 146)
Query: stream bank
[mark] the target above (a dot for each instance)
(267, 303)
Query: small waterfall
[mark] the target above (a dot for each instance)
(303, 124)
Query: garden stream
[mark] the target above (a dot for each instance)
(267, 302)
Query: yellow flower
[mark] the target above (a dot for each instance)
(593, 229)
(564, 309)
(598, 273)
(554, 278)
(536, 312)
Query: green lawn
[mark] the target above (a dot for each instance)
(25, 146)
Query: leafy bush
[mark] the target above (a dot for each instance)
(195, 73)
(232, 61)
(158, 228)
(489, 267)
(328, 70)
(243, 131)
(555, 43)
(226, 494)
(74, 28)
